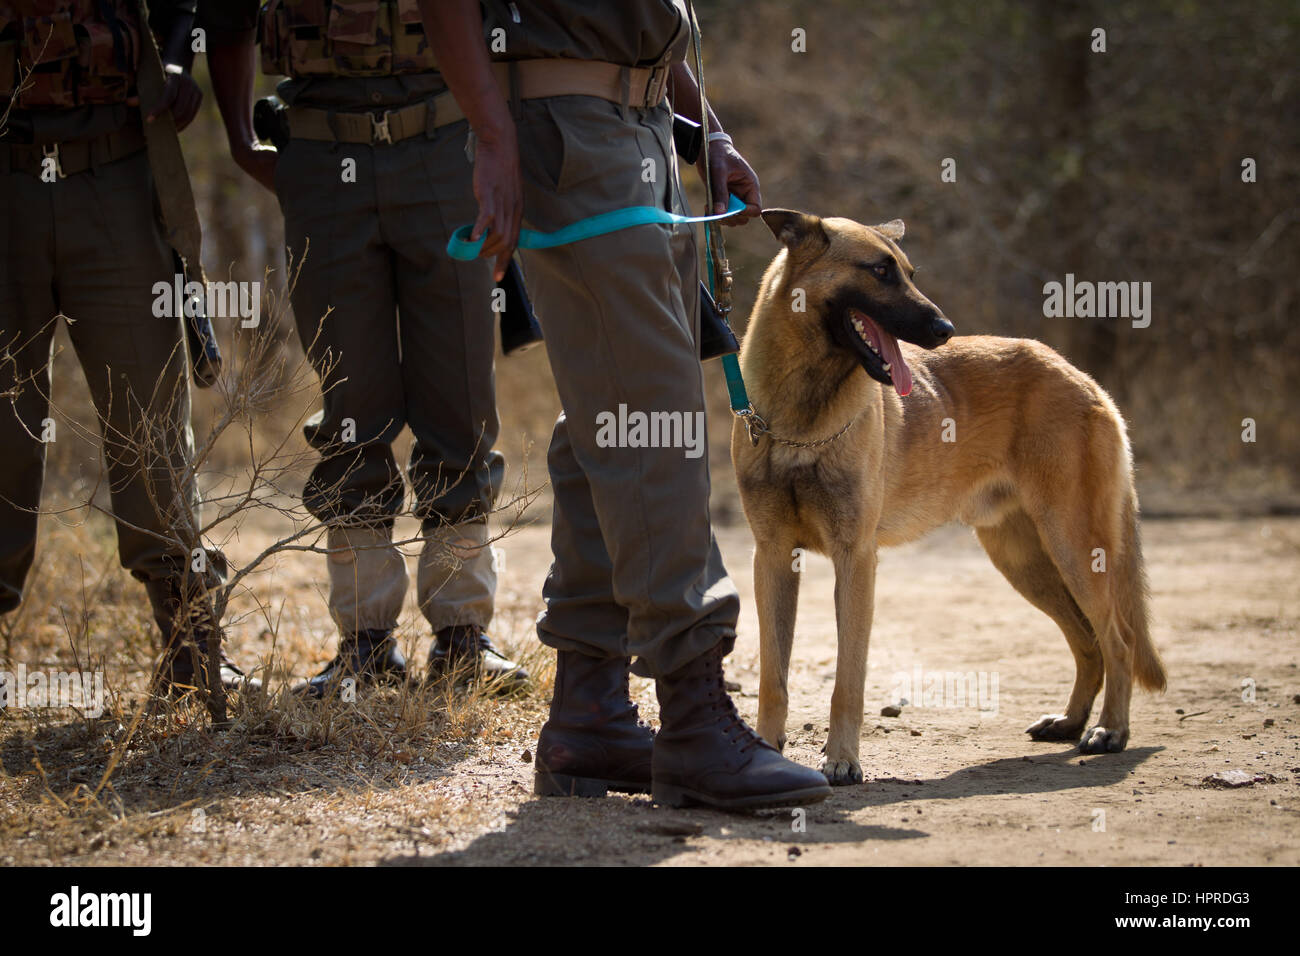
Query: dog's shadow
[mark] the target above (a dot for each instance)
(1046, 773)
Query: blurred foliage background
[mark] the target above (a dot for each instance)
(1118, 166)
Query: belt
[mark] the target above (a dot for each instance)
(526, 79)
(537, 79)
(390, 126)
(71, 156)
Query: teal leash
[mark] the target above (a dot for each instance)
(737, 396)
(460, 246)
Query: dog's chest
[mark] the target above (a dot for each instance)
(822, 496)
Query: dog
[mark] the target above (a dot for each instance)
(876, 429)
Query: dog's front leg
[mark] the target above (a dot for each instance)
(855, 588)
(776, 592)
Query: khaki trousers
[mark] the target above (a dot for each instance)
(636, 568)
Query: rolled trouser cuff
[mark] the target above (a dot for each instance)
(457, 576)
(367, 579)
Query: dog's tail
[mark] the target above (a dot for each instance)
(1128, 584)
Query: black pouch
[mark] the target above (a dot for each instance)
(270, 125)
(716, 337)
(520, 330)
(688, 138)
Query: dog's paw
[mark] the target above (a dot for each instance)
(1099, 740)
(1054, 727)
(840, 773)
(779, 743)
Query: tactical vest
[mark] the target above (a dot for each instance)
(78, 51)
(344, 38)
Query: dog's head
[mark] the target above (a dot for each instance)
(857, 286)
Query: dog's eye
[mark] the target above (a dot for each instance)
(881, 270)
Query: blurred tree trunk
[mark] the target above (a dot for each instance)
(1068, 226)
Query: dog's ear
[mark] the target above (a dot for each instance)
(893, 229)
(799, 232)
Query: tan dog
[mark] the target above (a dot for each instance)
(1001, 434)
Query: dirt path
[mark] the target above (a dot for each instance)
(954, 785)
(945, 784)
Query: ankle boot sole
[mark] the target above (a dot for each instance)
(548, 784)
(675, 796)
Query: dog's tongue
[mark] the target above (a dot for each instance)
(892, 354)
(898, 370)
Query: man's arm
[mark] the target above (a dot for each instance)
(730, 172)
(231, 65)
(455, 32)
(181, 95)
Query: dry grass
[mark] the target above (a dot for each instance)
(131, 784)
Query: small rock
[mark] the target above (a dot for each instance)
(1180, 711)
(807, 726)
(733, 687)
(890, 710)
(793, 851)
(526, 756)
(916, 733)
(1231, 779)
(1269, 721)
(1296, 699)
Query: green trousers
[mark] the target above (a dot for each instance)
(90, 248)
(401, 335)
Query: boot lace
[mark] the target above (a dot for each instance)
(737, 732)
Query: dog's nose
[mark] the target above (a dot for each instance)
(941, 329)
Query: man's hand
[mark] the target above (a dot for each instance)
(455, 31)
(256, 160)
(181, 95)
(498, 187)
(732, 174)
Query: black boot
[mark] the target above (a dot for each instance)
(465, 651)
(704, 753)
(188, 634)
(593, 741)
(368, 657)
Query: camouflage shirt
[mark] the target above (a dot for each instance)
(629, 32)
(230, 20)
(61, 124)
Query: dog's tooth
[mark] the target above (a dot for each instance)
(886, 366)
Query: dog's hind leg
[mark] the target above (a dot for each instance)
(776, 593)
(855, 589)
(1090, 529)
(1017, 551)
(1105, 573)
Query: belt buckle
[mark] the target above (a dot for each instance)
(379, 132)
(51, 151)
